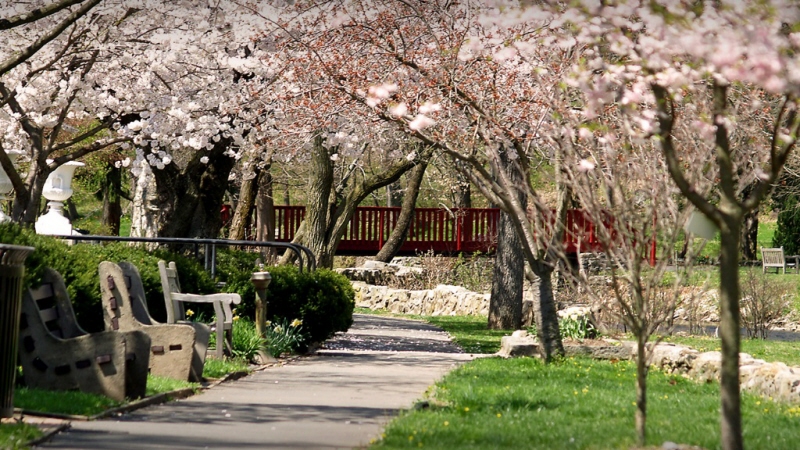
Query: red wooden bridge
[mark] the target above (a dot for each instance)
(442, 231)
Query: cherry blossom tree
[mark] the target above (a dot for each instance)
(174, 92)
(687, 76)
(436, 73)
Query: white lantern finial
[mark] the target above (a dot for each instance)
(57, 189)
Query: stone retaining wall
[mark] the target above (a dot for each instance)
(776, 380)
(443, 300)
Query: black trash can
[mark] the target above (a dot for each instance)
(12, 269)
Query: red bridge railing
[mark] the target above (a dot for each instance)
(456, 230)
(467, 230)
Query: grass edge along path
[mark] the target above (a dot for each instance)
(75, 403)
(18, 435)
(577, 403)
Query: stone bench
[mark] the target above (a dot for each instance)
(172, 346)
(57, 354)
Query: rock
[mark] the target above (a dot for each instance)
(511, 346)
(672, 358)
(372, 264)
(706, 367)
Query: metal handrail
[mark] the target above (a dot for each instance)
(298, 249)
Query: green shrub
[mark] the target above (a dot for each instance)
(246, 341)
(234, 268)
(322, 299)
(78, 263)
(787, 234)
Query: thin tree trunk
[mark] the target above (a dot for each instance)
(400, 231)
(730, 396)
(641, 389)
(750, 236)
(265, 214)
(144, 216)
(546, 317)
(463, 194)
(112, 207)
(244, 207)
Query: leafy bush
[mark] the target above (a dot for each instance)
(246, 341)
(323, 300)
(78, 263)
(234, 268)
(576, 328)
(787, 235)
(573, 327)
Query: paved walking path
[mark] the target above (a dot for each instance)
(339, 398)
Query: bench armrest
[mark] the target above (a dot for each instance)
(229, 298)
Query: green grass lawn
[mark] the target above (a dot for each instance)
(576, 403)
(14, 436)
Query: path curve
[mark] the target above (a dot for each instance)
(341, 397)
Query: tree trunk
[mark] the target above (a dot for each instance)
(750, 236)
(112, 193)
(641, 388)
(265, 215)
(400, 231)
(729, 326)
(546, 316)
(318, 212)
(190, 198)
(144, 216)
(265, 208)
(328, 212)
(244, 207)
(394, 195)
(508, 276)
(463, 194)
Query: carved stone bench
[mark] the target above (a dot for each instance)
(171, 347)
(57, 354)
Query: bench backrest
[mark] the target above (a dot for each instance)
(55, 309)
(773, 257)
(170, 284)
(133, 281)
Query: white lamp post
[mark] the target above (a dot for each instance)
(57, 189)
(5, 183)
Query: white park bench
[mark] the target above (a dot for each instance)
(774, 257)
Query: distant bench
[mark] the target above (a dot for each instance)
(774, 257)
